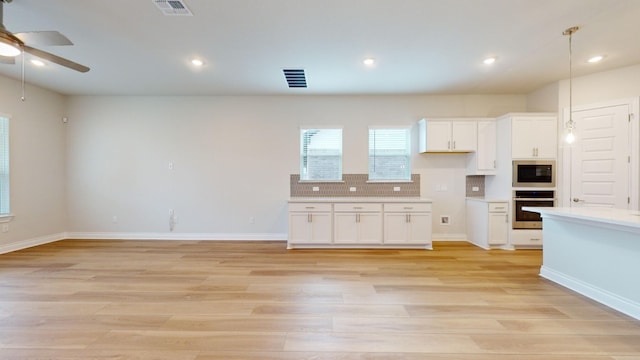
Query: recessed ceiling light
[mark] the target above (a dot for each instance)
(596, 59)
(369, 61)
(197, 62)
(489, 60)
(37, 62)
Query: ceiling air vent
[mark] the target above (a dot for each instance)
(173, 7)
(295, 78)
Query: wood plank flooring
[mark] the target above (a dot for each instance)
(190, 300)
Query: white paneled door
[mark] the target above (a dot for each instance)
(600, 168)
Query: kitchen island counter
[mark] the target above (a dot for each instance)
(595, 252)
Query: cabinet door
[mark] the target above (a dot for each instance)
(463, 135)
(523, 138)
(345, 228)
(299, 228)
(419, 228)
(534, 137)
(396, 229)
(370, 228)
(547, 141)
(498, 228)
(310, 228)
(438, 135)
(486, 153)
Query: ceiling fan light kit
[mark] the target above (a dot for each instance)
(9, 46)
(13, 44)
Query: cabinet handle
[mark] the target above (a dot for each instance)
(499, 207)
(454, 144)
(408, 218)
(408, 207)
(357, 218)
(534, 239)
(309, 218)
(506, 219)
(494, 164)
(357, 207)
(309, 207)
(449, 145)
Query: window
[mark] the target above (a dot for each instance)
(4, 165)
(389, 154)
(321, 154)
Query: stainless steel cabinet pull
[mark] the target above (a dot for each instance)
(408, 207)
(309, 218)
(449, 144)
(310, 207)
(357, 207)
(454, 145)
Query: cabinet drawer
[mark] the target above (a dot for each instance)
(357, 207)
(498, 207)
(309, 207)
(407, 207)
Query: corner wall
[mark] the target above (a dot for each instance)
(37, 163)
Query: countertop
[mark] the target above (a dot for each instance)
(609, 216)
(487, 200)
(361, 199)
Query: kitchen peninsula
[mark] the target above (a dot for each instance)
(595, 252)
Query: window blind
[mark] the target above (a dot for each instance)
(389, 154)
(321, 154)
(4, 165)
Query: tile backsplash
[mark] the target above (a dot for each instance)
(360, 182)
(475, 181)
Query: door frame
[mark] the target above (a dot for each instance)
(564, 198)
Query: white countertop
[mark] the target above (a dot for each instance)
(610, 216)
(361, 199)
(487, 200)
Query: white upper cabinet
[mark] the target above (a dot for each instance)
(483, 161)
(447, 135)
(534, 137)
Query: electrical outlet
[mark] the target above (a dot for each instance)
(316, 188)
(445, 220)
(352, 189)
(475, 188)
(396, 188)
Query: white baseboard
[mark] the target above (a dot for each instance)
(449, 237)
(23, 244)
(177, 236)
(602, 296)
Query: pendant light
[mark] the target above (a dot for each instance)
(570, 125)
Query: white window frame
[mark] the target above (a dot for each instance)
(376, 178)
(304, 175)
(5, 171)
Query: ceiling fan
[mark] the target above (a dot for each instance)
(13, 44)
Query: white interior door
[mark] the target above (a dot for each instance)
(600, 168)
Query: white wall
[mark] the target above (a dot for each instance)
(232, 158)
(38, 166)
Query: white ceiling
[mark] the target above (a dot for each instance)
(421, 46)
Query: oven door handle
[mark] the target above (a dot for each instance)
(534, 199)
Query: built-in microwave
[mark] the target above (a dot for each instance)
(534, 173)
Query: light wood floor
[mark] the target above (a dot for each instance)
(256, 300)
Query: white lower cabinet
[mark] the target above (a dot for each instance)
(487, 223)
(526, 238)
(366, 224)
(407, 224)
(357, 223)
(310, 223)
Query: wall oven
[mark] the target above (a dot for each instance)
(534, 173)
(533, 198)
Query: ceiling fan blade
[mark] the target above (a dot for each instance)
(7, 60)
(55, 59)
(43, 38)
